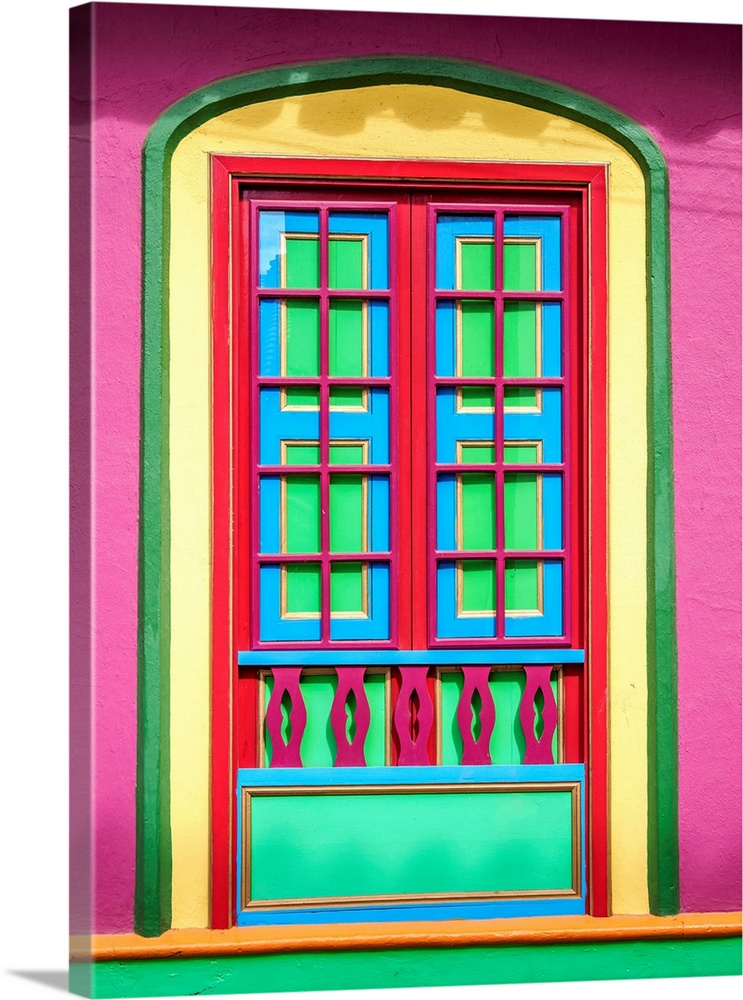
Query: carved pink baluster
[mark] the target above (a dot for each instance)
(538, 751)
(350, 682)
(413, 717)
(476, 751)
(286, 683)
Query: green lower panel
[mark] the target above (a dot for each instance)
(381, 843)
(411, 967)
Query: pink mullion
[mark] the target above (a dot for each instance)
(324, 435)
(254, 476)
(499, 437)
(392, 429)
(565, 336)
(431, 443)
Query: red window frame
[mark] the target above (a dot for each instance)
(583, 189)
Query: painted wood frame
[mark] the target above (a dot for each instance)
(585, 184)
(152, 897)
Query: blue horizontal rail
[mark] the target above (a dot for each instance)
(406, 657)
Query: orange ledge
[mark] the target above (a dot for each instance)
(422, 934)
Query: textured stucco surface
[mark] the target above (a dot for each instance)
(683, 83)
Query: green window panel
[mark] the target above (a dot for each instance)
(347, 331)
(301, 590)
(348, 398)
(300, 397)
(318, 745)
(476, 454)
(522, 506)
(476, 397)
(301, 514)
(476, 339)
(476, 265)
(521, 329)
(523, 585)
(520, 267)
(507, 744)
(301, 337)
(521, 397)
(520, 453)
(301, 262)
(476, 586)
(348, 514)
(476, 511)
(348, 453)
(301, 453)
(349, 589)
(347, 262)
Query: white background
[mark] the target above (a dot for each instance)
(33, 487)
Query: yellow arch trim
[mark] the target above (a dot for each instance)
(400, 121)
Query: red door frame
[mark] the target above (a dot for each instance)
(586, 186)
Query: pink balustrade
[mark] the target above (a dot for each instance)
(412, 716)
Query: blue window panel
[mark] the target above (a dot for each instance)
(277, 425)
(379, 514)
(454, 425)
(552, 510)
(270, 227)
(448, 227)
(548, 229)
(372, 425)
(549, 623)
(379, 339)
(545, 426)
(375, 226)
(551, 339)
(377, 625)
(270, 513)
(446, 506)
(448, 625)
(274, 628)
(269, 320)
(446, 346)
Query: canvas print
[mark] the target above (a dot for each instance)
(405, 385)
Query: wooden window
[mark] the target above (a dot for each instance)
(409, 578)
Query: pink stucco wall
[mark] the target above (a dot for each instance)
(683, 83)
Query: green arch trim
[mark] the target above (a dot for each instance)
(153, 843)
